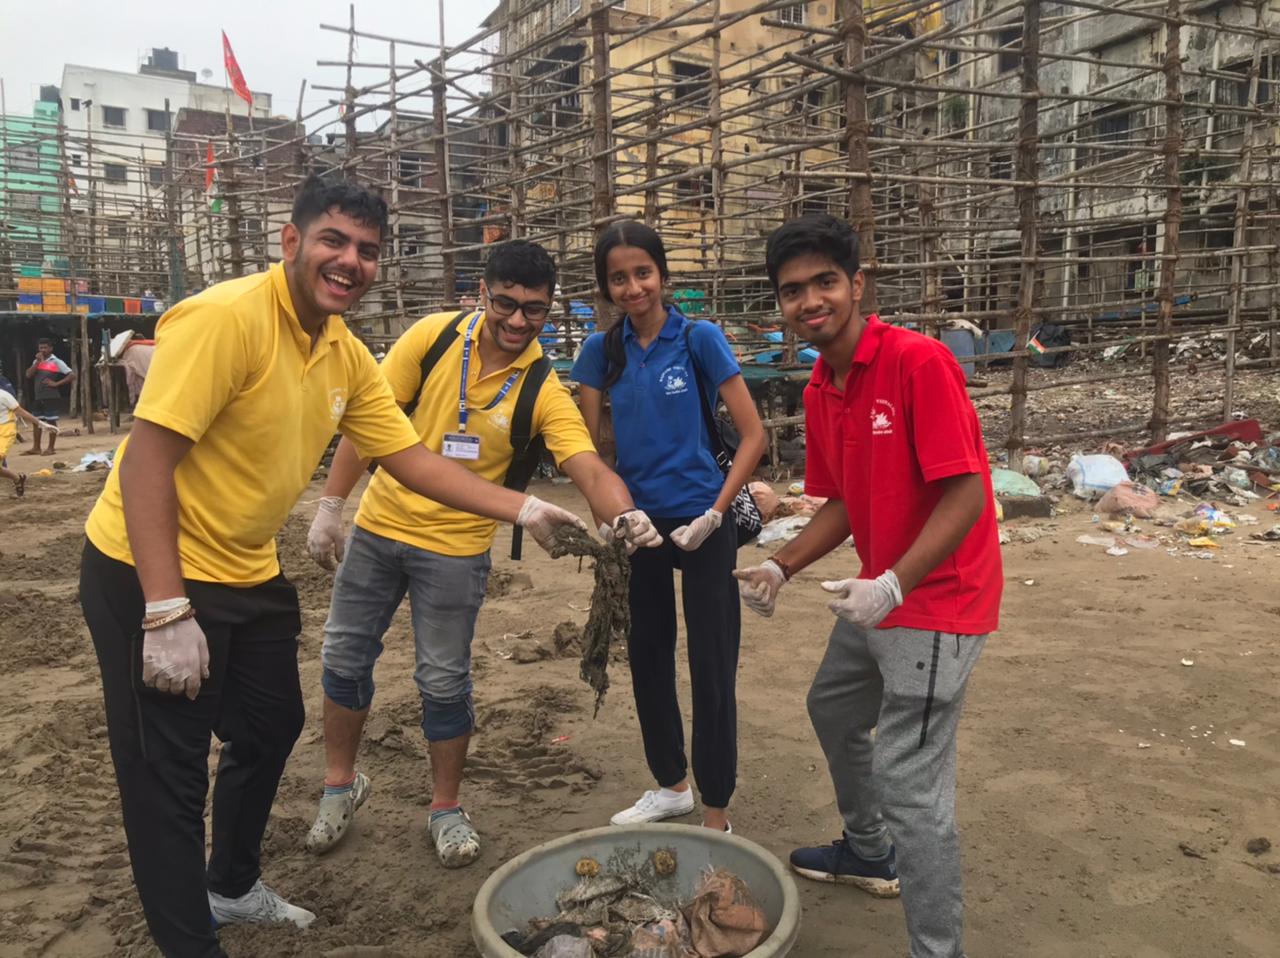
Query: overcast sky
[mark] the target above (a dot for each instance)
(277, 42)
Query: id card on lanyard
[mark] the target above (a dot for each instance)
(460, 445)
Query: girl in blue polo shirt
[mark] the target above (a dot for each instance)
(652, 367)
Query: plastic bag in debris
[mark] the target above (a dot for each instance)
(566, 946)
(1006, 482)
(1128, 499)
(724, 919)
(662, 939)
(782, 530)
(766, 499)
(1091, 476)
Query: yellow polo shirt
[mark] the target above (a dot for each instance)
(235, 372)
(389, 509)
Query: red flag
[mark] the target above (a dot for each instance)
(208, 168)
(233, 71)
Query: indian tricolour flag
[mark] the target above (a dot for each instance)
(210, 181)
(1035, 347)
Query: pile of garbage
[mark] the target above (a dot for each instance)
(1202, 348)
(1233, 463)
(623, 912)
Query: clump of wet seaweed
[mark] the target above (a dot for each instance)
(610, 617)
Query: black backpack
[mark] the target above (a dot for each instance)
(527, 448)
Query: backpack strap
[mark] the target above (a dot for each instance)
(443, 341)
(438, 348)
(527, 448)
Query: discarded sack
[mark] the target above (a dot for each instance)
(1091, 476)
(724, 919)
(1129, 499)
(566, 946)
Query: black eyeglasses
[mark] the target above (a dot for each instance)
(505, 306)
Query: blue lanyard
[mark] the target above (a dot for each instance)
(463, 412)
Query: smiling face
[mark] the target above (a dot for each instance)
(635, 283)
(506, 314)
(817, 298)
(330, 264)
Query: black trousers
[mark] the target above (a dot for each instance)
(252, 701)
(713, 623)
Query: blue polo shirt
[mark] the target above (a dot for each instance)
(664, 452)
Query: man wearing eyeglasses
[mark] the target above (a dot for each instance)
(403, 542)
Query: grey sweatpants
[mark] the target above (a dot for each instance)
(900, 786)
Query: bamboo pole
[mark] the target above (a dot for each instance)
(1172, 218)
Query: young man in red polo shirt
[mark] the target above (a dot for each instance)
(894, 444)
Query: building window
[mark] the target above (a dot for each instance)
(25, 158)
(117, 229)
(75, 103)
(1009, 40)
(1002, 166)
(410, 169)
(113, 116)
(26, 202)
(792, 14)
(1110, 127)
(115, 173)
(692, 80)
(157, 121)
(695, 191)
(75, 159)
(155, 175)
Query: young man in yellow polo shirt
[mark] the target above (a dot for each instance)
(440, 555)
(194, 625)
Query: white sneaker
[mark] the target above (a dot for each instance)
(654, 807)
(259, 903)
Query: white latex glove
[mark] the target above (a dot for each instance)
(695, 533)
(758, 586)
(326, 539)
(865, 602)
(175, 658)
(634, 526)
(541, 519)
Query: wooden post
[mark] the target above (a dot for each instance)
(1027, 173)
(448, 266)
(393, 168)
(853, 26)
(717, 172)
(1159, 424)
(349, 101)
(230, 187)
(1241, 232)
(651, 151)
(177, 266)
(85, 379)
(601, 168)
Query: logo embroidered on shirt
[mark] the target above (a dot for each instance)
(674, 380)
(337, 404)
(882, 416)
(500, 420)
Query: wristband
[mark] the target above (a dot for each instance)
(782, 564)
(165, 606)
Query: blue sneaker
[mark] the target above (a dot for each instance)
(839, 864)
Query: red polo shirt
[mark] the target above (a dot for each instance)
(903, 422)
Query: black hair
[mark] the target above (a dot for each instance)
(522, 262)
(317, 196)
(628, 233)
(624, 233)
(44, 341)
(816, 233)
